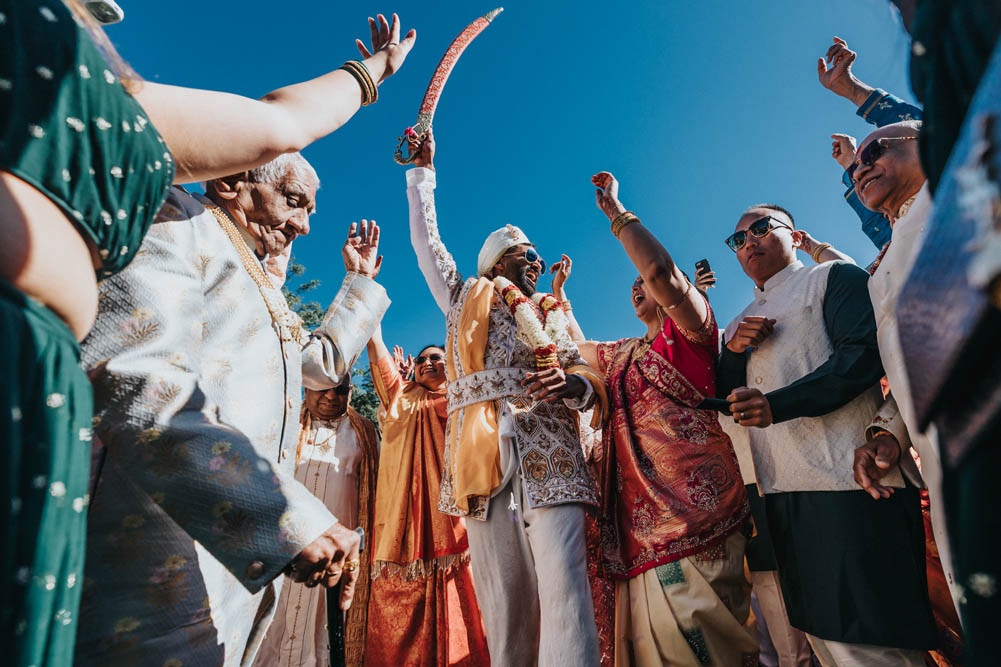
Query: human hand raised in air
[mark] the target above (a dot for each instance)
(386, 40)
(361, 249)
(404, 362)
(834, 70)
(561, 271)
(607, 194)
(423, 152)
(843, 149)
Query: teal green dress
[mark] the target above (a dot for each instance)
(68, 128)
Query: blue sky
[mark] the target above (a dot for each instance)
(700, 109)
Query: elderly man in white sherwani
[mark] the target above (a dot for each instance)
(195, 360)
(895, 186)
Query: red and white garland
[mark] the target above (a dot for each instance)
(540, 319)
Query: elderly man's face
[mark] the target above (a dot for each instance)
(761, 258)
(330, 403)
(279, 212)
(894, 176)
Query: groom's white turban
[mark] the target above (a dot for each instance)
(498, 243)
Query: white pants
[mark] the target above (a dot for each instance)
(529, 569)
(790, 644)
(840, 654)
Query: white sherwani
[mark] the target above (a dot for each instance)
(329, 465)
(197, 396)
(897, 413)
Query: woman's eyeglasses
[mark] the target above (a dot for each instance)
(873, 151)
(758, 229)
(532, 256)
(434, 358)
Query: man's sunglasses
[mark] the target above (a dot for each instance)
(434, 358)
(532, 256)
(873, 151)
(758, 229)
(341, 389)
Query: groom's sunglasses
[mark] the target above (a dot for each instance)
(532, 256)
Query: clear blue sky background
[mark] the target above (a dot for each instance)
(699, 108)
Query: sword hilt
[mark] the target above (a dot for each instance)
(419, 134)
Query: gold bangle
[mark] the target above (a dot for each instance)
(821, 247)
(621, 220)
(369, 91)
(566, 305)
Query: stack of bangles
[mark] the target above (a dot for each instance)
(821, 247)
(566, 305)
(369, 91)
(621, 220)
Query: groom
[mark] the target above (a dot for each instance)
(512, 433)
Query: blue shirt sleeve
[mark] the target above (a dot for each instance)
(880, 108)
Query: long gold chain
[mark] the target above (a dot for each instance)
(288, 325)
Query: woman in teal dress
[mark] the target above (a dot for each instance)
(87, 154)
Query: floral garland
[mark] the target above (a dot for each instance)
(540, 318)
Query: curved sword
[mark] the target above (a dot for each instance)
(425, 116)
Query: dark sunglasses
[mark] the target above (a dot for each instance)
(758, 229)
(532, 256)
(342, 390)
(872, 152)
(435, 357)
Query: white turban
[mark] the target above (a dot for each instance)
(498, 243)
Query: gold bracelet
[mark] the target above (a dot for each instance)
(821, 247)
(373, 89)
(369, 91)
(621, 220)
(566, 305)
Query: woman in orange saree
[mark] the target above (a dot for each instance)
(422, 606)
(673, 506)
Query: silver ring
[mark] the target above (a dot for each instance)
(742, 415)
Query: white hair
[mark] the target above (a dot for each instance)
(274, 171)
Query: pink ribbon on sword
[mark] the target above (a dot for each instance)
(418, 133)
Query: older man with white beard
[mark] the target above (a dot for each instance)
(195, 360)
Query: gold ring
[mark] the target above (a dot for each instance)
(350, 565)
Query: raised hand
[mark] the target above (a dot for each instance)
(561, 271)
(423, 152)
(607, 194)
(403, 361)
(386, 38)
(361, 249)
(704, 279)
(843, 149)
(834, 70)
(873, 460)
(751, 332)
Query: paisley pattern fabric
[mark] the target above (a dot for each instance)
(196, 509)
(549, 455)
(671, 484)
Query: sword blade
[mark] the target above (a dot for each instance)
(445, 66)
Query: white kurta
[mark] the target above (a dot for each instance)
(884, 290)
(330, 461)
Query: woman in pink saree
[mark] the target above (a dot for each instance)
(673, 507)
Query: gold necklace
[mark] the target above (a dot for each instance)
(289, 327)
